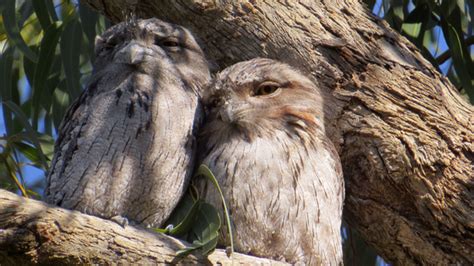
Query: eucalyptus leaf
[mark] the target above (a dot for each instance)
(29, 152)
(47, 145)
(205, 230)
(70, 45)
(460, 56)
(61, 101)
(25, 11)
(89, 20)
(29, 68)
(51, 9)
(6, 66)
(184, 217)
(462, 6)
(203, 170)
(41, 11)
(11, 167)
(29, 130)
(52, 83)
(186, 251)
(207, 227)
(197, 221)
(448, 7)
(420, 14)
(186, 224)
(13, 32)
(42, 69)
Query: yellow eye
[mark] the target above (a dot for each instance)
(266, 88)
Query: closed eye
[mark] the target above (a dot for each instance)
(109, 45)
(167, 43)
(170, 43)
(266, 88)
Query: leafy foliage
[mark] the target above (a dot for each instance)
(45, 60)
(441, 29)
(197, 221)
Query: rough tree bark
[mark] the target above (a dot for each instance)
(31, 232)
(405, 136)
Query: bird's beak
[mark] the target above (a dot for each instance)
(226, 113)
(133, 53)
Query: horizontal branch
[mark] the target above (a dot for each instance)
(34, 232)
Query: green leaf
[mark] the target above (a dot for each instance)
(203, 170)
(207, 227)
(29, 130)
(48, 123)
(188, 221)
(186, 251)
(51, 9)
(420, 14)
(25, 11)
(182, 209)
(61, 101)
(29, 68)
(41, 11)
(29, 152)
(208, 222)
(205, 230)
(6, 69)
(189, 210)
(386, 6)
(70, 46)
(33, 154)
(47, 145)
(11, 166)
(89, 20)
(394, 16)
(13, 32)
(462, 6)
(449, 6)
(50, 86)
(14, 86)
(461, 58)
(412, 29)
(42, 69)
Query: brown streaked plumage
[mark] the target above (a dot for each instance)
(265, 141)
(126, 146)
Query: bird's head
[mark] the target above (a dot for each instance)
(153, 47)
(259, 96)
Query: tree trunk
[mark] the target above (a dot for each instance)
(31, 232)
(406, 138)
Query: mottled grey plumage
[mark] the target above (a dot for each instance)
(264, 139)
(126, 146)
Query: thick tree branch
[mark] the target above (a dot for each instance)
(33, 232)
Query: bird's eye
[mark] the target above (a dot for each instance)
(113, 41)
(266, 88)
(170, 44)
(214, 102)
(109, 45)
